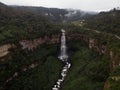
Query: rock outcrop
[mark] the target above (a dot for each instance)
(4, 49)
(32, 44)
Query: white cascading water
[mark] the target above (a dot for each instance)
(63, 54)
(64, 57)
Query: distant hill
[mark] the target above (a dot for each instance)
(56, 14)
(106, 21)
(5, 10)
(2, 5)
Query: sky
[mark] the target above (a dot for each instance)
(87, 5)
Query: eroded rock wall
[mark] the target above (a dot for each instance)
(4, 49)
(32, 44)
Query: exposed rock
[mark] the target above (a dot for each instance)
(114, 60)
(31, 44)
(103, 49)
(107, 85)
(116, 78)
(33, 65)
(15, 74)
(4, 49)
(91, 43)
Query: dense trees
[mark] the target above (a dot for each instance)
(106, 21)
(25, 26)
(41, 77)
(88, 72)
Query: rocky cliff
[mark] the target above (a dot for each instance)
(102, 49)
(4, 49)
(32, 44)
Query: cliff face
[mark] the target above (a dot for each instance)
(4, 49)
(32, 44)
(114, 60)
(102, 49)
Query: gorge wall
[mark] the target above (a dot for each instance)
(102, 49)
(4, 49)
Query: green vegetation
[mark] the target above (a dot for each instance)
(88, 72)
(26, 26)
(41, 77)
(106, 21)
(16, 25)
(114, 80)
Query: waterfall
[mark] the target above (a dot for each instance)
(63, 57)
(63, 54)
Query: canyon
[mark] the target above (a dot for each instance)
(30, 45)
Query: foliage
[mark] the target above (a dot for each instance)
(42, 76)
(106, 21)
(114, 79)
(88, 72)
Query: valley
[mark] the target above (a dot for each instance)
(35, 55)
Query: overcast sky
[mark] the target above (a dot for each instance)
(87, 5)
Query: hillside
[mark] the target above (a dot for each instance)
(106, 21)
(30, 43)
(23, 21)
(5, 11)
(18, 25)
(56, 14)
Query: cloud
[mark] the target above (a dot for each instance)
(89, 5)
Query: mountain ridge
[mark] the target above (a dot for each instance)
(55, 14)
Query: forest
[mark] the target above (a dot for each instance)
(93, 43)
